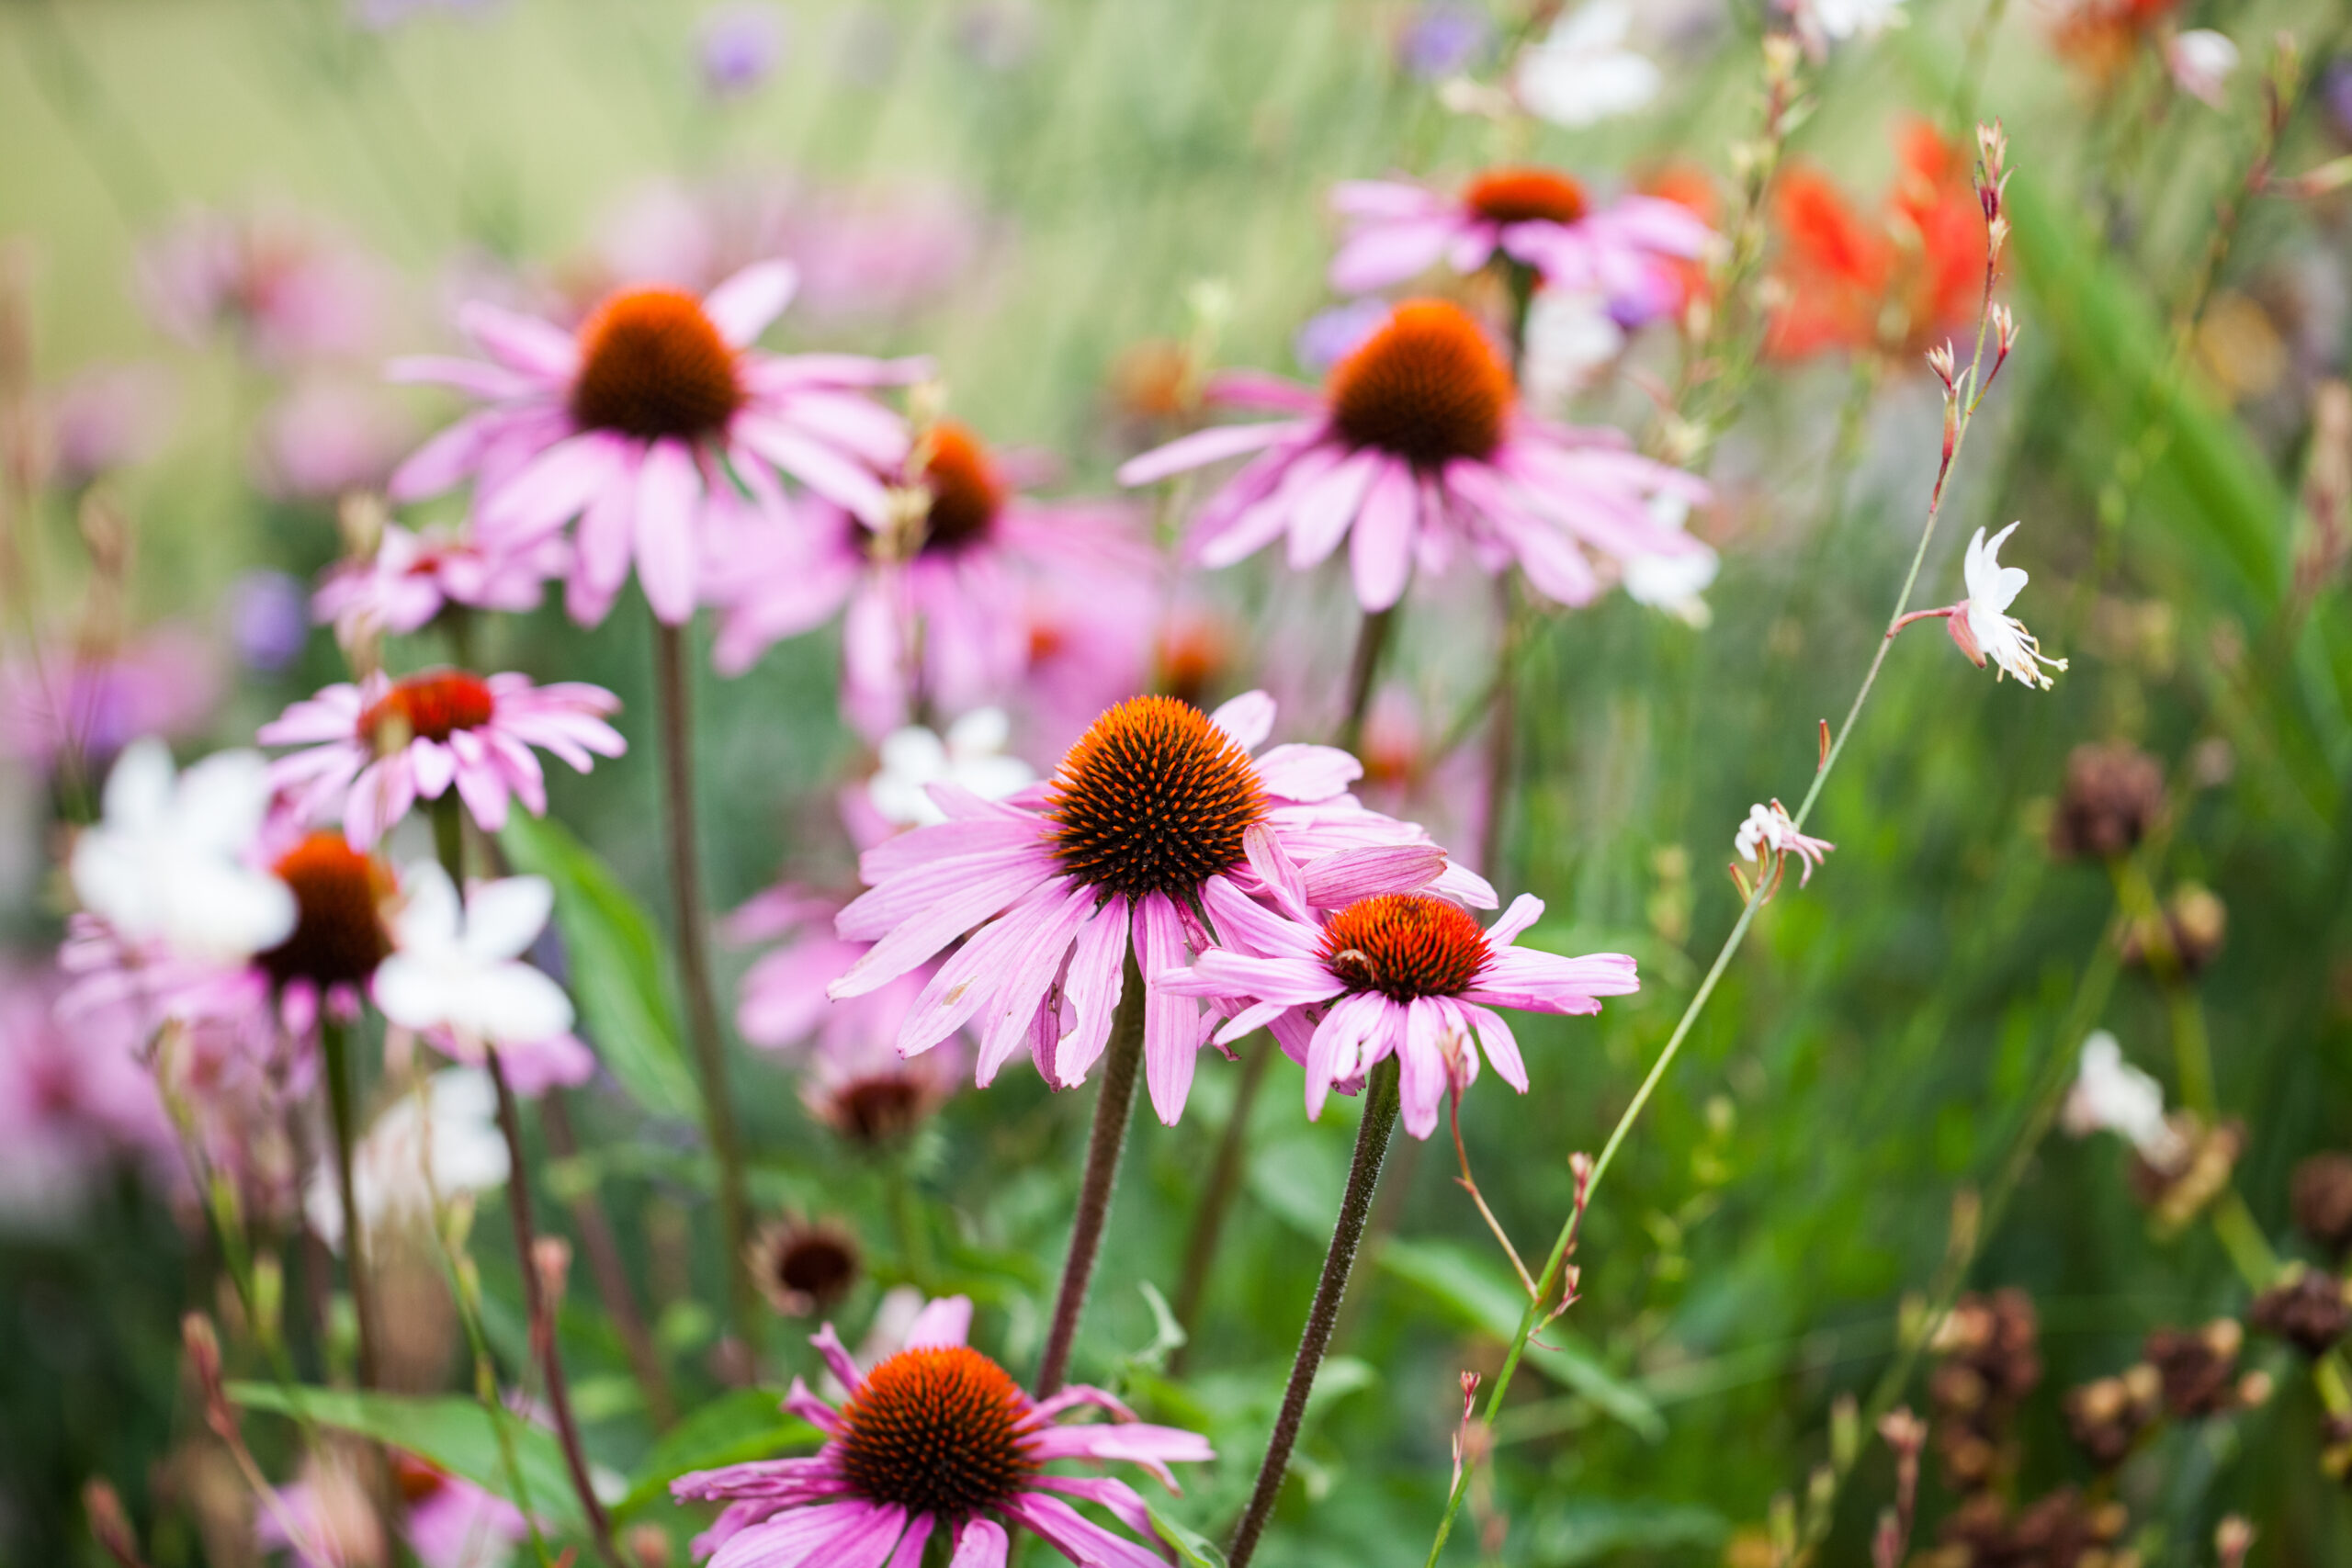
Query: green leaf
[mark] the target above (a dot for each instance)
(1482, 1297)
(620, 972)
(1193, 1548)
(451, 1430)
(744, 1425)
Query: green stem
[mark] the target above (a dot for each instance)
(1364, 674)
(334, 1044)
(1115, 1102)
(1379, 1124)
(906, 1213)
(694, 971)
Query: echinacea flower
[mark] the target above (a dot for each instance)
(1981, 623)
(937, 1440)
(429, 1146)
(457, 976)
(170, 862)
(802, 1268)
(642, 425)
(1401, 974)
(1769, 835)
(370, 751)
(934, 598)
(1416, 446)
(412, 577)
(1534, 218)
(1156, 808)
(1581, 73)
(448, 1521)
(2112, 1095)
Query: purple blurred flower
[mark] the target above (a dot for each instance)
(738, 47)
(1331, 336)
(1444, 39)
(72, 1103)
(2336, 92)
(96, 703)
(327, 436)
(111, 416)
(270, 619)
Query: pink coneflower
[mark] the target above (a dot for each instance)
(1157, 808)
(935, 602)
(1397, 974)
(1417, 446)
(642, 425)
(412, 577)
(1624, 250)
(371, 751)
(937, 1437)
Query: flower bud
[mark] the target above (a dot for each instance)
(2114, 794)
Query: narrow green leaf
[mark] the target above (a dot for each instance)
(1482, 1297)
(451, 1430)
(1192, 1548)
(746, 1424)
(620, 973)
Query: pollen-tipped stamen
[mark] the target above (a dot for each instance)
(1154, 799)
(1405, 946)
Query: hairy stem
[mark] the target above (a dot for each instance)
(609, 1269)
(1364, 673)
(1379, 1122)
(694, 974)
(335, 1045)
(1216, 1197)
(541, 1312)
(1115, 1102)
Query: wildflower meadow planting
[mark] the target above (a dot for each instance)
(945, 784)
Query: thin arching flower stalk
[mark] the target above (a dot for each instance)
(1965, 391)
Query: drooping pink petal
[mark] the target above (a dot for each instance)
(943, 1324)
(742, 306)
(1202, 448)
(1380, 547)
(1171, 1029)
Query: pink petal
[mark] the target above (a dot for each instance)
(980, 1544)
(667, 491)
(519, 342)
(1202, 448)
(1096, 977)
(1380, 550)
(943, 1325)
(742, 306)
(1171, 1023)
(1380, 254)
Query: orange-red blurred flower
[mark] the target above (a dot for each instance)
(1902, 278)
(2099, 36)
(1690, 186)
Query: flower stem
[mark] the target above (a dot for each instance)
(694, 971)
(541, 1312)
(1379, 1106)
(1114, 1104)
(1364, 671)
(609, 1269)
(1502, 733)
(335, 1046)
(1216, 1197)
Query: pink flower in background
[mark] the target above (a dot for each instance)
(75, 1101)
(288, 288)
(934, 600)
(869, 1497)
(446, 1520)
(328, 435)
(1624, 251)
(1157, 807)
(1400, 975)
(1417, 446)
(409, 579)
(111, 416)
(643, 423)
(93, 703)
(1407, 774)
(370, 751)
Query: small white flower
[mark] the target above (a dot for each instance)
(1571, 335)
(1582, 72)
(1673, 582)
(448, 1144)
(167, 861)
(2112, 1095)
(972, 757)
(1768, 833)
(464, 975)
(1821, 22)
(2201, 61)
(1980, 624)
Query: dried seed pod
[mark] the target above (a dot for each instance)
(2308, 1311)
(2114, 794)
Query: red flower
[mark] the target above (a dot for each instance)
(1901, 279)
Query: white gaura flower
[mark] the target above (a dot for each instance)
(1981, 623)
(1581, 73)
(1820, 23)
(424, 1146)
(2112, 1095)
(168, 863)
(462, 975)
(972, 757)
(2201, 61)
(1570, 335)
(1769, 835)
(1674, 583)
